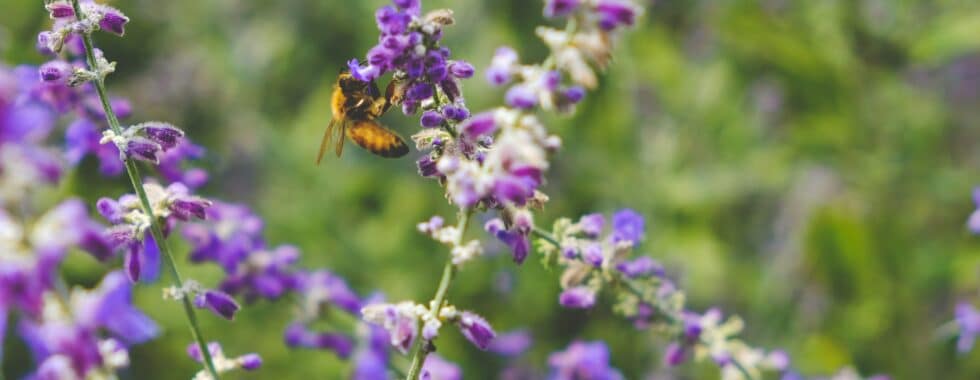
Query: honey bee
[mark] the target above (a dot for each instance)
(356, 107)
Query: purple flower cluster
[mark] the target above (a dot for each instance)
(28, 271)
(587, 254)
(409, 47)
(402, 322)
(596, 257)
(321, 292)
(130, 224)
(67, 340)
(63, 85)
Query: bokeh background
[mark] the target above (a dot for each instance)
(804, 164)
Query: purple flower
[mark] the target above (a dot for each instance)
(692, 327)
(143, 149)
(973, 223)
(461, 69)
(60, 9)
(399, 320)
(270, 274)
(371, 361)
(570, 252)
(517, 185)
(516, 238)
(164, 134)
(323, 288)
(476, 329)
(250, 362)
(577, 297)
(57, 368)
(511, 344)
(298, 336)
(408, 4)
(220, 303)
(3, 325)
(615, 13)
(592, 254)
(457, 113)
(363, 73)
(502, 66)
(437, 368)
(428, 167)
(521, 96)
(194, 351)
(431, 119)
(628, 226)
(968, 319)
(592, 224)
(56, 71)
(82, 138)
(228, 235)
(640, 267)
(392, 21)
(582, 360)
(675, 354)
(419, 92)
(72, 347)
(573, 94)
(560, 8)
(111, 306)
(113, 21)
(479, 125)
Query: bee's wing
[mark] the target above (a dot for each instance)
(327, 135)
(377, 139)
(334, 128)
(340, 138)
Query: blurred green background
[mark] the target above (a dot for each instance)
(804, 164)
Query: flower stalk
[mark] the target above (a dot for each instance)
(424, 347)
(134, 176)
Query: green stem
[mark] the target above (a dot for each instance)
(424, 347)
(134, 177)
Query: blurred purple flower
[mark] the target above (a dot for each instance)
(298, 335)
(560, 8)
(437, 368)
(627, 226)
(512, 343)
(968, 320)
(582, 360)
(643, 266)
(264, 273)
(578, 297)
(973, 223)
(517, 238)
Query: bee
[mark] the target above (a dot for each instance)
(356, 107)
